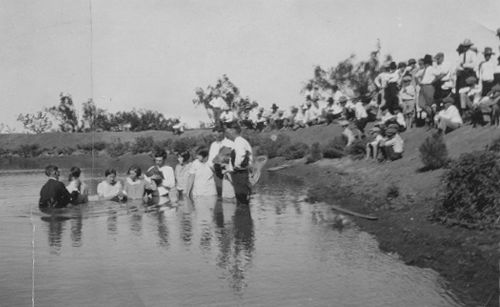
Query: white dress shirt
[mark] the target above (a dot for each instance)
(241, 147)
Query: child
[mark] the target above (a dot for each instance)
(392, 148)
(110, 188)
(407, 95)
(53, 193)
(78, 190)
(134, 186)
(373, 145)
(182, 173)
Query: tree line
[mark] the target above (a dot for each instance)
(93, 118)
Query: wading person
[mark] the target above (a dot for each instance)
(134, 186)
(182, 173)
(110, 188)
(220, 142)
(201, 177)
(78, 190)
(167, 173)
(241, 158)
(53, 193)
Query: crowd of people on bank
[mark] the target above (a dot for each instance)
(224, 169)
(431, 91)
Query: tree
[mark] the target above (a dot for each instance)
(65, 113)
(94, 117)
(229, 92)
(350, 76)
(38, 122)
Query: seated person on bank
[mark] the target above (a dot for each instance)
(53, 193)
(332, 111)
(449, 118)
(489, 106)
(347, 133)
(375, 138)
(392, 148)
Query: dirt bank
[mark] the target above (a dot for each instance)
(402, 199)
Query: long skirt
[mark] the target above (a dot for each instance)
(241, 185)
(391, 96)
(426, 98)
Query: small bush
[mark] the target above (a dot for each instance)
(185, 144)
(165, 144)
(315, 154)
(472, 190)
(271, 145)
(98, 146)
(117, 149)
(143, 144)
(294, 151)
(357, 149)
(433, 152)
(29, 150)
(495, 145)
(66, 151)
(334, 149)
(392, 191)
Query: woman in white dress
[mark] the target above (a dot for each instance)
(201, 180)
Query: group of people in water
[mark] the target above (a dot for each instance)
(223, 169)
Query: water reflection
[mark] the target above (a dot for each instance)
(76, 230)
(111, 222)
(55, 232)
(162, 229)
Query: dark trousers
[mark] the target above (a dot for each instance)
(487, 85)
(241, 184)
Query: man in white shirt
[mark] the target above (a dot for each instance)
(392, 148)
(242, 158)
(449, 118)
(217, 104)
(227, 117)
(220, 142)
(361, 115)
(443, 83)
(426, 95)
(487, 71)
(467, 65)
(166, 172)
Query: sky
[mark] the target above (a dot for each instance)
(152, 54)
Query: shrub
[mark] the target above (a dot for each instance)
(117, 149)
(184, 144)
(357, 149)
(66, 151)
(495, 145)
(472, 190)
(271, 145)
(294, 151)
(158, 145)
(315, 153)
(392, 191)
(29, 150)
(334, 149)
(433, 152)
(143, 144)
(98, 146)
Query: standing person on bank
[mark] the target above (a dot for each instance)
(426, 95)
(242, 158)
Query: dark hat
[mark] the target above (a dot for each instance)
(343, 99)
(407, 77)
(412, 61)
(391, 131)
(439, 55)
(401, 65)
(448, 100)
(488, 50)
(428, 59)
(471, 80)
(392, 65)
(274, 106)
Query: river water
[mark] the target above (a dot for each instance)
(279, 251)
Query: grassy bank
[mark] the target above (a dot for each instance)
(397, 192)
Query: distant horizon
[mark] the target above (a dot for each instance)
(159, 52)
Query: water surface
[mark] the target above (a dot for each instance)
(279, 251)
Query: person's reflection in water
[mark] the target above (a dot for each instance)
(162, 229)
(204, 206)
(56, 228)
(243, 247)
(112, 222)
(186, 209)
(76, 228)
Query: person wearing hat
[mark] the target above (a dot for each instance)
(471, 94)
(393, 146)
(272, 116)
(301, 118)
(486, 71)
(289, 117)
(279, 120)
(217, 103)
(448, 119)
(467, 62)
(381, 82)
(488, 107)
(260, 122)
(411, 68)
(426, 95)
(407, 96)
